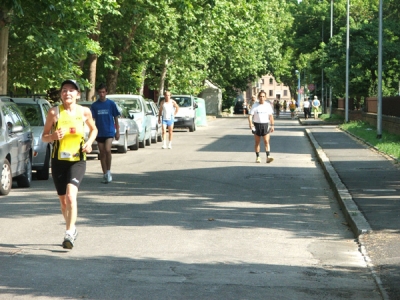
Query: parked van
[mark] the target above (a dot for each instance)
(186, 116)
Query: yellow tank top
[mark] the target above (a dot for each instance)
(69, 148)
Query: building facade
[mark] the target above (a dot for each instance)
(267, 83)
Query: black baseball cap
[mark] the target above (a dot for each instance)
(73, 82)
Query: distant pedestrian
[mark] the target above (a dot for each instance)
(284, 106)
(307, 108)
(252, 102)
(168, 109)
(315, 106)
(245, 107)
(105, 114)
(277, 107)
(261, 122)
(65, 128)
(292, 108)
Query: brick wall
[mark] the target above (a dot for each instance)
(389, 123)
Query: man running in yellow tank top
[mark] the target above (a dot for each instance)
(64, 128)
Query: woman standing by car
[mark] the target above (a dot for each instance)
(65, 128)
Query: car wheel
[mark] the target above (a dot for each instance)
(24, 180)
(159, 138)
(6, 178)
(192, 127)
(148, 141)
(154, 140)
(124, 148)
(142, 144)
(43, 174)
(136, 145)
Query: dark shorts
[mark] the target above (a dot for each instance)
(103, 139)
(65, 172)
(261, 129)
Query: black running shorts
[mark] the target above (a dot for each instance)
(261, 129)
(67, 172)
(103, 139)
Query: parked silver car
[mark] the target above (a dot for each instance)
(138, 110)
(128, 131)
(35, 111)
(15, 147)
(156, 129)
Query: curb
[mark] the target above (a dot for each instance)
(353, 216)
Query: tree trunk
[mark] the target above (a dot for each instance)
(112, 75)
(162, 78)
(144, 68)
(4, 31)
(91, 93)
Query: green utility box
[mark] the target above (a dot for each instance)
(201, 116)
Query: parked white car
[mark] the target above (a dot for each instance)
(35, 111)
(128, 131)
(137, 108)
(156, 129)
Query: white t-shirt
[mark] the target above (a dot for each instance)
(261, 112)
(306, 104)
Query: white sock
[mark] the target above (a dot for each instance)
(71, 231)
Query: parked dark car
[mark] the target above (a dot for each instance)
(238, 108)
(15, 147)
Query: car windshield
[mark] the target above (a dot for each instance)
(134, 105)
(32, 113)
(182, 101)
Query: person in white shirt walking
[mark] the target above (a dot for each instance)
(306, 108)
(168, 109)
(261, 122)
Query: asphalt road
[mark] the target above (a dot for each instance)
(199, 221)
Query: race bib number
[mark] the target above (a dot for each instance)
(64, 154)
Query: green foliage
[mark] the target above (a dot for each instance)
(389, 143)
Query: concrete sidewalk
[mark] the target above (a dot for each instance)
(367, 185)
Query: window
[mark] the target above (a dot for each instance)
(285, 93)
(271, 81)
(271, 93)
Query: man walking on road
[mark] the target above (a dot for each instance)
(261, 122)
(168, 110)
(105, 113)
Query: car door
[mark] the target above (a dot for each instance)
(24, 136)
(15, 138)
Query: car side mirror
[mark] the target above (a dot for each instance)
(17, 128)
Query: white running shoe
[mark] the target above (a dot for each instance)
(104, 178)
(164, 146)
(169, 146)
(109, 177)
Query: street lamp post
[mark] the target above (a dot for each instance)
(379, 108)
(347, 62)
(298, 88)
(330, 87)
